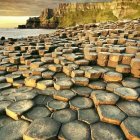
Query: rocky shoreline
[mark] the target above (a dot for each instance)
(79, 83)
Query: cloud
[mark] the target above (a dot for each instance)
(31, 7)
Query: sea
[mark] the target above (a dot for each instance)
(22, 33)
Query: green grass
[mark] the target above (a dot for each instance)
(134, 13)
(105, 15)
(71, 18)
(84, 17)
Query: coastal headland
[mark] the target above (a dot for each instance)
(71, 14)
(79, 83)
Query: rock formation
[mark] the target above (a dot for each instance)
(70, 14)
(78, 83)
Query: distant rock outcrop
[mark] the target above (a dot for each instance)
(70, 14)
(48, 19)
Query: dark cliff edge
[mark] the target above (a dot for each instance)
(71, 14)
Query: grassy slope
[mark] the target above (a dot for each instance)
(89, 16)
(83, 17)
(135, 13)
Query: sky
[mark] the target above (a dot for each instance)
(19, 10)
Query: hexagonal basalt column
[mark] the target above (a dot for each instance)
(14, 130)
(32, 81)
(126, 93)
(55, 67)
(112, 86)
(57, 105)
(131, 108)
(18, 96)
(62, 84)
(64, 95)
(92, 74)
(77, 73)
(131, 82)
(82, 91)
(15, 110)
(75, 130)
(123, 68)
(113, 77)
(105, 131)
(38, 71)
(48, 74)
(89, 116)
(44, 128)
(36, 113)
(131, 128)
(135, 63)
(64, 115)
(11, 77)
(105, 98)
(81, 103)
(82, 62)
(42, 85)
(97, 85)
(111, 114)
(81, 81)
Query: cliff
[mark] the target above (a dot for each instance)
(70, 14)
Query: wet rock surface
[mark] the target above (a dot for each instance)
(78, 83)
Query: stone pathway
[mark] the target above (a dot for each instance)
(79, 83)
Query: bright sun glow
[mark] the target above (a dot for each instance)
(12, 21)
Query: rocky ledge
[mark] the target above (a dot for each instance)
(79, 83)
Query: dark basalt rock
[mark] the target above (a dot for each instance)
(75, 130)
(44, 128)
(37, 113)
(82, 91)
(111, 114)
(131, 127)
(81, 103)
(3, 105)
(131, 108)
(64, 115)
(126, 93)
(13, 130)
(106, 131)
(57, 105)
(4, 120)
(2, 38)
(64, 95)
(16, 109)
(89, 116)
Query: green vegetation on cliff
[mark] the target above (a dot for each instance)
(71, 14)
(84, 17)
(71, 18)
(135, 13)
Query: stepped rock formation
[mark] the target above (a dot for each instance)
(77, 83)
(70, 14)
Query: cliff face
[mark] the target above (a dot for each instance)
(125, 8)
(69, 14)
(48, 19)
(118, 7)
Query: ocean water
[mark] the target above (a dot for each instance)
(21, 33)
